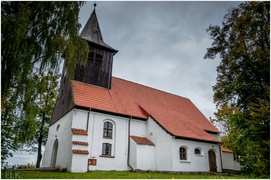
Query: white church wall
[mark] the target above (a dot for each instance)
(80, 118)
(79, 161)
(163, 145)
(142, 157)
(145, 157)
(228, 161)
(164, 156)
(138, 128)
(167, 151)
(133, 154)
(60, 130)
(119, 142)
(194, 162)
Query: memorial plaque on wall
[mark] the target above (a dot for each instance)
(92, 162)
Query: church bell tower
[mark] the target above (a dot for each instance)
(98, 69)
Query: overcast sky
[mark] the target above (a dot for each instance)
(161, 45)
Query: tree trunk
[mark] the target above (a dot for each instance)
(39, 156)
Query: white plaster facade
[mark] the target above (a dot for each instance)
(229, 163)
(164, 156)
(167, 151)
(142, 157)
(60, 132)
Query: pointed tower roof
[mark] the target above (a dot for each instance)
(92, 32)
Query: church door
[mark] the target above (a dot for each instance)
(54, 154)
(212, 161)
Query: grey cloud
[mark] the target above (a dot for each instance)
(162, 44)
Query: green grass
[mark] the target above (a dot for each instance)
(110, 175)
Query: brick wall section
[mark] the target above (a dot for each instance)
(80, 143)
(77, 151)
(79, 131)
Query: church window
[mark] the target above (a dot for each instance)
(183, 153)
(106, 149)
(108, 128)
(197, 151)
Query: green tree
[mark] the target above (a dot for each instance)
(242, 90)
(47, 86)
(35, 38)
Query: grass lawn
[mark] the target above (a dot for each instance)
(110, 175)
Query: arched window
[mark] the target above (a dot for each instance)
(108, 129)
(57, 128)
(54, 154)
(197, 151)
(183, 153)
(106, 149)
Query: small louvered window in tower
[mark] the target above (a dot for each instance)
(98, 60)
(90, 58)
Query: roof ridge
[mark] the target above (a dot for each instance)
(136, 84)
(151, 87)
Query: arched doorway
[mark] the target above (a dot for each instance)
(54, 154)
(212, 161)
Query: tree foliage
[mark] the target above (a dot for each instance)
(35, 38)
(47, 88)
(242, 91)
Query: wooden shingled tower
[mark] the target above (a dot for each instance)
(97, 71)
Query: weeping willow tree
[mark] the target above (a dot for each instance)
(242, 91)
(36, 37)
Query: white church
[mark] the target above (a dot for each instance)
(102, 122)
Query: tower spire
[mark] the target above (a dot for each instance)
(92, 32)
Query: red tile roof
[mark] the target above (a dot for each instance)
(142, 140)
(226, 150)
(177, 115)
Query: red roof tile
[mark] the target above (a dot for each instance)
(226, 150)
(142, 140)
(178, 115)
